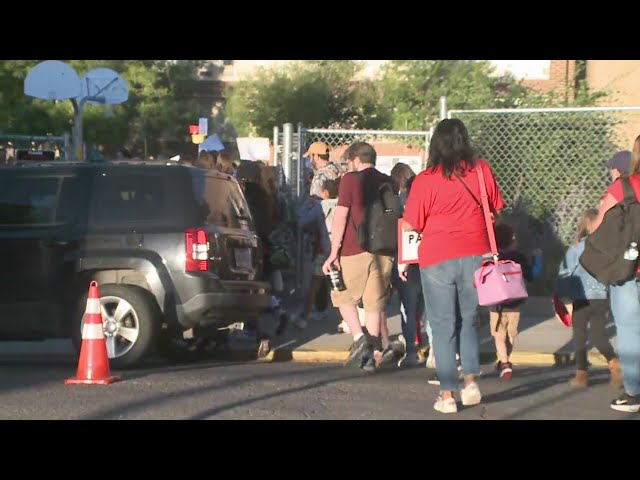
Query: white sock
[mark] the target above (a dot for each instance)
(357, 336)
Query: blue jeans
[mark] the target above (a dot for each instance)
(449, 294)
(625, 306)
(411, 302)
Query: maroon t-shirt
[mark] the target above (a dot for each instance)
(351, 196)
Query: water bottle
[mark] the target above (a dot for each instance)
(631, 253)
(337, 284)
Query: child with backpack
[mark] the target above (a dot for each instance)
(315, 218)
(590, 306)
(504, 318)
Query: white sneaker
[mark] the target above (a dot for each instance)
(301, 323)
(446, 405)
(471, 395)
(343, 327)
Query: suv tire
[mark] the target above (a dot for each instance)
(137, 324)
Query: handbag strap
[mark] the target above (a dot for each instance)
(487, 213)
(475, 199)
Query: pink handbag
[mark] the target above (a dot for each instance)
(497, 281)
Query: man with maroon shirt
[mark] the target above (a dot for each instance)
(366, 276)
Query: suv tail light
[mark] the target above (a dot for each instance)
(196, 244)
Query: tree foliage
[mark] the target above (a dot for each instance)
(318, 93)
(154, 108)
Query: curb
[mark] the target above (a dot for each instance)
(339, 356)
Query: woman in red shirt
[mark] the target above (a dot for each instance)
(444, 206)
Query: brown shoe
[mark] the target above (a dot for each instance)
(616, 373)
(580, 380)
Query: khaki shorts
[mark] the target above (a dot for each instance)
(504, 323)
(367, 277)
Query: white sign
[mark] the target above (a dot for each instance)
(408, 243)
(251, 148)
(203, 126)
(384, 164)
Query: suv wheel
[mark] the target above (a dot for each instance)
(131, 323)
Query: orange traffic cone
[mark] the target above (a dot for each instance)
(93, 365)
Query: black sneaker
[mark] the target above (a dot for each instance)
(357, 352)
(386, 358)
(506, 370)
(434, 380)
(369, 362)
(627, 403)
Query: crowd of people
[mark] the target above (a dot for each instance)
(441, 204)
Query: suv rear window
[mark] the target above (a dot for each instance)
(36, 200)
(131, 198)
(221, 202)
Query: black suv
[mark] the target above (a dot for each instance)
(173, 249)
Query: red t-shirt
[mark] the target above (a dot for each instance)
(448, 217)
(615, 189)
(351, 195)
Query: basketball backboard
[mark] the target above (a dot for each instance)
(52, 80)
(103, 86)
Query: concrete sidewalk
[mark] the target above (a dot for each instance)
(542, 340)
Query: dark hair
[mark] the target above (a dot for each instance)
(401, 173)
(362, 150)
(323, 156)
(450, 147)
(332, 186)
(504, 235)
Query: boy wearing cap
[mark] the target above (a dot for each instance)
(318, 154)
(619, 164)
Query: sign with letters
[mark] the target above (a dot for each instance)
(408, 243)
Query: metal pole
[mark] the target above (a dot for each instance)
(67, 147)
(300, 163)
(78, 147)
(276, 139)
(299, 185)
(443, 107)
(287, 140)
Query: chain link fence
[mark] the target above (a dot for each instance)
(549, 166)
(391, 146)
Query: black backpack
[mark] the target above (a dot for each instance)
(378, 231)
(604, 252)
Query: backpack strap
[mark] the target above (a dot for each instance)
(627, 190)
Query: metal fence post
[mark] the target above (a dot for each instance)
(443, 107)
(276, 140)
(287, 141)
(300, 263)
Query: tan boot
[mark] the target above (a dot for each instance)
(616, 373)
(580, 380)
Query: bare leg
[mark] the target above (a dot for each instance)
(501, 347)
(349, 314)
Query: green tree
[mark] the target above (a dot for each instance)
(412, 89)
(318, 93)
(156, 106)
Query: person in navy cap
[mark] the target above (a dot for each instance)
(619, 164)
